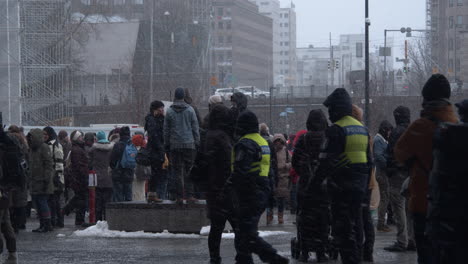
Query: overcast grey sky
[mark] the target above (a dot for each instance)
(316, 18)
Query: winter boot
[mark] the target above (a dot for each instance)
(48, 225)
(12, 257)
(280, 218)
(321, 257)
(40, 229)
(215, 260)
(278, 259)
(153, 198)
(269, 217)
(60, 221)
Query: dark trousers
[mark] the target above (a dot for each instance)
(122, 191)
(158, 181)
(7, 231)
(365, 227)
(42, 205)
(218, 217)
(346, 211)
(249, 240)
(280, 202)
(423, 245)
(293, 198)
(103, 196)
(78, 203)
(182, 163)
(56, 204)
(18, 217)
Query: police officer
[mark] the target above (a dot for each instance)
(251, 165)
(346, 164)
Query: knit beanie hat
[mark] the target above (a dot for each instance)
(215, 99)
(62, 135)
(101, 137)
(179, 94)
(125, 131)
(437, 87)
(76, 135)
(139, 141)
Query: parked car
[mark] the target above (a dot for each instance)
(226, 93)
(253, 92)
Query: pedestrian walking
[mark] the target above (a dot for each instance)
(79, 172)
(56, 200)
(219, 196)
(380, 145)
(283, 165)
(154, 127)
(415, 148)
(346, 164)
(397, 174)
(99, 157)
(42, 174)
(273, 174)
(251, 166)
(181, 138)
(313, 213)
(123, 164)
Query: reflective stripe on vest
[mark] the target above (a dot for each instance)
(262, 166)
(357, 139)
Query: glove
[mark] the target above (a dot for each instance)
(166, 162)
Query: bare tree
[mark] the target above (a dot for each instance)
(420, 64)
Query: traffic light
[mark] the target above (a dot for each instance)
(406, 69)
(329, 65)
(337, 64)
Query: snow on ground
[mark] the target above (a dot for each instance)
(101, 229)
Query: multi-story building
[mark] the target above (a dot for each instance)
(242, 44)
(288, 43)
(447, 22)
(272, 9)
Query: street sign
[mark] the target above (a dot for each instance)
(213, 81)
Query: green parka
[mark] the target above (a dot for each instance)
(41, 165)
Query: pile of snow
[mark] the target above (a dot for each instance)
(101, 229)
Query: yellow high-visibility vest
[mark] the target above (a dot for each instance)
(357, 139)
(262, 166)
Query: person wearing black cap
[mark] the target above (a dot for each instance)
(122, 174)
(415, 148)
(154, 125)
(463, 110)
(346, 162)
(56, 199)
(251, 166)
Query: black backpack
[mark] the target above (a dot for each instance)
(448, 185)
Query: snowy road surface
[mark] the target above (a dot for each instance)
(97, 245)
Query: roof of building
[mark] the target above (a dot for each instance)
(110, 47)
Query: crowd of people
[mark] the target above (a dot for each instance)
(328, 175)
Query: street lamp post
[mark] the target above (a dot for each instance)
(367, 25)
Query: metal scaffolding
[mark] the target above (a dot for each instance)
(45, 55)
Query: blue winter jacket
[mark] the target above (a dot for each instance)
(181, 130)
(380, 150)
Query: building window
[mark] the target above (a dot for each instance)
(450, 44)
(286, 62)
(457, 64)
(451, 2)
(229, 39)
(86, 2)
(229, 55)
(451, 22)
(286, 24)
(281, 71)
(220, 25)
(119, 2)
(138, 2)
(281, 24)
(359, 51)
(281, 43)
(281, 62)
(286, 15)
(228, 11)
(286, 53)
(228, 25)
(220, 58)
(286, 43)
(281, 15)
(286, 71)
(459, 2)
(459, 21)
(264, 3)
(450, 65)
(220, 39)
(220, 11)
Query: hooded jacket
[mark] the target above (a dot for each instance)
(283, 165)
(99, 155)
(354, 177)
(218, 147)
(395, 171)
(306, 159)
(41, 165)
(181, 129)
(79, 168)
(414, 149)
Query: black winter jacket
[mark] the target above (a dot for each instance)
(154, 127)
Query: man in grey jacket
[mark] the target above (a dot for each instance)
(181, 139)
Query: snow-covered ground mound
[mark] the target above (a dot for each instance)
(101, 229)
